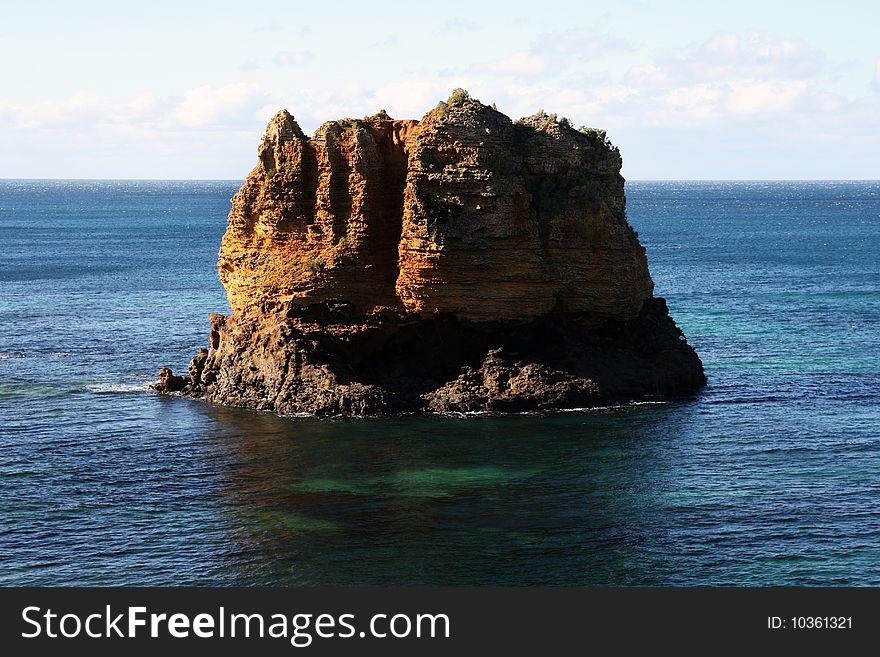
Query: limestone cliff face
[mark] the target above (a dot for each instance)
(513, 221)
(459, 262)
(463, 212)
(318, 218)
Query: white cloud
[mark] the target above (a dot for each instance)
(699, 100)
(224, 107)
(522, 63)
(768, 96)
(266, 112)
(78, 102)
(553, 53)
(723, 45)
(648, 75)
(728, 57)
(579, 44)
(291, 58)
(279, 60)
(79, 107)
(205, 105)
(615, 93)
(459, 25)
(144, 103)
(407, 99)
(726, 77)
(725, 85)
(828, 103)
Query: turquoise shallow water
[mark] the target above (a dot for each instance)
(771, 476)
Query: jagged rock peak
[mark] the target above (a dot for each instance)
(283, 127)
(381, 115)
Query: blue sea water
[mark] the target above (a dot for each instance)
(770, 477)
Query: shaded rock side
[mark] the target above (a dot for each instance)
(462, 262)
(327, 359)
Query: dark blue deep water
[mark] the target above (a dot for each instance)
(771, 476)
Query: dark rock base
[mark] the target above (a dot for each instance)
(327, 360)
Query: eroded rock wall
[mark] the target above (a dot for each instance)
(513, 221)
(463, 212)
(462, 262)
(318, 218)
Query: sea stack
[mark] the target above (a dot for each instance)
(463, 262)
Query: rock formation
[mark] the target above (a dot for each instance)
(462, 262)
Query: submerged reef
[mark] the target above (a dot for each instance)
(463, 262)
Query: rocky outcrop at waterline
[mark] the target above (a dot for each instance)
(463, 262)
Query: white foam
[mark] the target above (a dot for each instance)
(612, 407)
(117, 388)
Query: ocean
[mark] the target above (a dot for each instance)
(771, 476)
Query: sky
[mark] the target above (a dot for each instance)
(687, 90)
